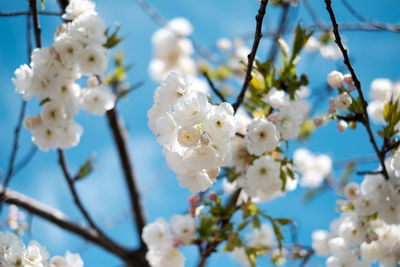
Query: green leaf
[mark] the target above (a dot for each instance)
(113, 39)
(256, 222)
(243, 225)
(42, 4)
(44, 101)
(283, 221)
(283, 177)
(85, 169)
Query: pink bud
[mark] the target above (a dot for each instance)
(342, 126)
(332, 101)
(274, 117)
(212, 197)
(194, 200)
(335, 79)
(332, 109)
(204, 139)
(318, 121)
(351, 87)
(348, 79)
(176, 243)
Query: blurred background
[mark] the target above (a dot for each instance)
(374, 54)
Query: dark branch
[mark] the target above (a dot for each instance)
(70, 181)
(60, 219)
(213, 88)
(119, 134)
(252, 55)
(357, 84)
(27, 13)
(36, 23)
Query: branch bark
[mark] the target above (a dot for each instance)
(251, 57)
(357, 83)
(118, 131)
(36, 23)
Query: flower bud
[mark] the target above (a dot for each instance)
(335, 79)
(347, 79)
(31, 122)
(318, 121)
(92, 82)
(224, 44)
(342, 126)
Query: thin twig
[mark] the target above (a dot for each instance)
(119, 134)
(307, 258)
(252, 55)
(70, 181)
(357, 84)
(17, 130)
(281, 30)
(369, 21)
(213, 88)
(25, 160)
(27, 13)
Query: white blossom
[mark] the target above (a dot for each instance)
(262, 136)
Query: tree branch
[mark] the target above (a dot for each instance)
(118, 131)
(71, 184)
(213, 88)
(60, 219)
(36, 23)
(252, 55)
(357, 84)
(27, 13)
(368, 21)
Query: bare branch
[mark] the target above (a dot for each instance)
(119, 132)
(369, 21)
(357, 84)
(27, 13)
(213, 88)
(71, 184)
(36, 23)
(252, 55)
(60, 219)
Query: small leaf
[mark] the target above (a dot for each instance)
(256, 222)
(283, 221)
(85, 169)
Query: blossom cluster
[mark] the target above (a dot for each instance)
(163, 240)
(172, 50)
(253, 159)
(196, 135)
(313, 168)
(368, 230)
(13, 252)
(53, 73)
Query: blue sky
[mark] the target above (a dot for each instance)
(374, 55)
